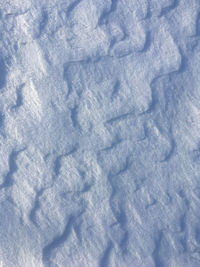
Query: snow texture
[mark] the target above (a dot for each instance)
(100, 133)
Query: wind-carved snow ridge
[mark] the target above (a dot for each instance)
(8, 178)
(99, 133)
(57, 242)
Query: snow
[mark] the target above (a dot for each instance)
(99, 133)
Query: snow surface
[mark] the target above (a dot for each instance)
(100, 133)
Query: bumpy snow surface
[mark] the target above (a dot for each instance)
(100, 133)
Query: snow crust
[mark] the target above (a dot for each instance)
(100, 133)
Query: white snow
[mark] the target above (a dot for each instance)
(99, 133)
